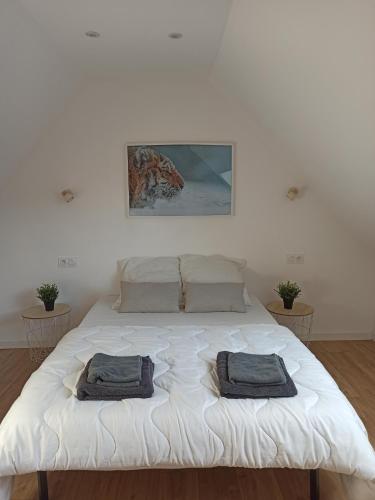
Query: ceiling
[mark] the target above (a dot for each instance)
(306, 70)
(35, 82)
(134, 33)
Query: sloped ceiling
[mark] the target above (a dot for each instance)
(44, 54)
(35, 82)
(306, 69)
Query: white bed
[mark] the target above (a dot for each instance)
(102, 314)
(186, 423)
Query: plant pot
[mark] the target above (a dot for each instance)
(288, 302)
(49, 305)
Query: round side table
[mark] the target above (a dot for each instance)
(299, 319)
(44, 329)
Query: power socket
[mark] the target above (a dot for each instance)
(65, 262)
(295, 258)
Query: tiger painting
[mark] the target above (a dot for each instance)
(152, 176)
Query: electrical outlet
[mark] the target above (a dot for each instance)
(300, 258)
(295, 258)
(67, 262)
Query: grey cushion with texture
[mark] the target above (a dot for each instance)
(149, 297)
(214, 297)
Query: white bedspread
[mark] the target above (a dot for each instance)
(185, 423)
(101, 313)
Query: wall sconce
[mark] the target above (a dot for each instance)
(67, 195)
(292, 193)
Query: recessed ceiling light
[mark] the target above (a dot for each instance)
(175, 36)
(92, 34)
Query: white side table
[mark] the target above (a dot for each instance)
(45, 328)
(298, 319)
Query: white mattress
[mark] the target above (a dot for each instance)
(102, 314)
(186, 423)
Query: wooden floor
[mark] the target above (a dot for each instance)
(352, 364)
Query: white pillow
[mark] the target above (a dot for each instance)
(117, 303)
(210, 269)
(150, 269)
(147, 270)
(167, 269)
(213, 269)
(246, 297)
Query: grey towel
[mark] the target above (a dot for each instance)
(241, 391)
(255, 369)
(112, 370)
(87, 391)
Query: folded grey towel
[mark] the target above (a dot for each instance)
(255, 369)
(112, 370)
(241, 391)
(87, 391)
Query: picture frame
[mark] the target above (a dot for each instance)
(179, 178)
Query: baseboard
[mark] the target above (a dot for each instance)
(13, 344)
(342, 336)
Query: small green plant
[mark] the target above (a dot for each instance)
(288, 291)
(48, 293)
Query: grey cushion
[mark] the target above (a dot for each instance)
(148, 270)
(213, 297)
(149, 297)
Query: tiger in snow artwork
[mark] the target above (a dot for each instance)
(152, 176)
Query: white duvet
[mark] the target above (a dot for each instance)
(186, 423)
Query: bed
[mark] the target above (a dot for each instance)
(102, 313)
(186, 423)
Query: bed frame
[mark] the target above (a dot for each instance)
(313, 479)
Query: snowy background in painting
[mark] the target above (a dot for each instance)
(196, 198)
(207, 173)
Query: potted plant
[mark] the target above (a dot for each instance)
(48, 293)
(288, 291)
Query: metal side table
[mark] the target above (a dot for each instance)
(45, 328)
(298, 319)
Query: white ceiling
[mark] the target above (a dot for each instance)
(34, 85)
(134, 33)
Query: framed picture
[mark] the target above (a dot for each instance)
(177, 179)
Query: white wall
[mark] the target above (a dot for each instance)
(307, 70)
(85, 151)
